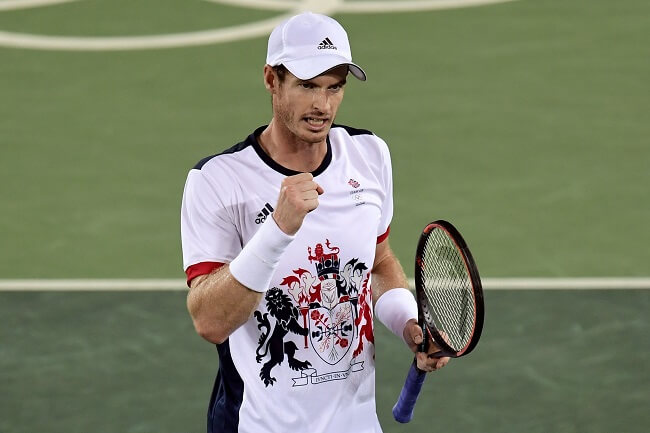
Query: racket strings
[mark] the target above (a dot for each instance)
(448, 289)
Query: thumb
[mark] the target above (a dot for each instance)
(416, 333)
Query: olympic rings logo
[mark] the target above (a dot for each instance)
(286, 8)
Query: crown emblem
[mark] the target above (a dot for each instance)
(327, 264)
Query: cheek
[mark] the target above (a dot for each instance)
(335, 101)
(283, 108)
(293, 103)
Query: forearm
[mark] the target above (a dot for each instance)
(219, 304)
(224, 300)
(387, 273)
(394, 304)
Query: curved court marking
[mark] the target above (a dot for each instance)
(10, 5)
(411, 6)
(362, 6)
(602, 283)
(120, 43)
(213, 36)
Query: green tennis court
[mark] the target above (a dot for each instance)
(549, 361)
(526, 123)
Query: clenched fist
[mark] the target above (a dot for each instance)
(298, 196)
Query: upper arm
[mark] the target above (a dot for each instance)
(385, 174)
(208, 231)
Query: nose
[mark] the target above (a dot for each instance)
(321, 100)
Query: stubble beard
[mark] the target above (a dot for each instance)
(296, 127)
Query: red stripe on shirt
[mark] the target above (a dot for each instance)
(202, 268)
(383, 237)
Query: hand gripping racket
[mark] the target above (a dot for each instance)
(450, 303)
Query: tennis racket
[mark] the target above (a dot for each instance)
(450, 304)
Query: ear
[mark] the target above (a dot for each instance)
(270, 79)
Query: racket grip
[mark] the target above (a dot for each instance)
(403, 409)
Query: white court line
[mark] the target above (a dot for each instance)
(364, 6)
(88, 285)
(10, 5)
(212, 36)
(113, 43)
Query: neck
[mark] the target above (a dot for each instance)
(290, 151)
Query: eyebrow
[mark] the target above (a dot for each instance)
(341, 83)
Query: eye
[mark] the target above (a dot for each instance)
(307, 85)
(336, 87)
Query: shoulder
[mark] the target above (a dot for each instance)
(237, 151)
(235, 162)
(219, 174)
(365, 141)
(356, 135)
(351, 131)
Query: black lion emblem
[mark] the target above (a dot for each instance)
(286, 319)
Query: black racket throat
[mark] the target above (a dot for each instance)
(424, 346)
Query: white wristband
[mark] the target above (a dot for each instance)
(256, 263)
(394, 308)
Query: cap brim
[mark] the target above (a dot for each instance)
(311, 67)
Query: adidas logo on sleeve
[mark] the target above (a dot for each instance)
(265, 212)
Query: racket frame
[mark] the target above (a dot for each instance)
(428, 325)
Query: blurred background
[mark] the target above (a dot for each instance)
(525, 123)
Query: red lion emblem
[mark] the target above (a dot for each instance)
(365, 314)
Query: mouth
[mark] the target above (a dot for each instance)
(316, 123)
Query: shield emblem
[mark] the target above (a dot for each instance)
(331, 331)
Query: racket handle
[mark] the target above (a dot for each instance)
(403, 409)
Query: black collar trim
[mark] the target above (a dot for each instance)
(252, 141)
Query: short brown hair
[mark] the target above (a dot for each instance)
(281, 72)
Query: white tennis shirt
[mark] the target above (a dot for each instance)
(304, 362)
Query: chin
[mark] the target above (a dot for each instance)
(316, 136)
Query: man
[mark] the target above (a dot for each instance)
(281, 234)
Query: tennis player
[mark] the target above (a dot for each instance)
(286, 251)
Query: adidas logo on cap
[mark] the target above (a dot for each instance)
(326, 45)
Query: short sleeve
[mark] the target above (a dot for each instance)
(208, 233)
(387, 185)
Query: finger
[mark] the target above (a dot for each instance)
(298, 178)
(311, 204)
(441, 362)
(309, 195)
(424, 363)
(416, 334)
(421, 361)
(319, 189)
(307, 186)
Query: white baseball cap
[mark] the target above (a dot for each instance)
(310, 44)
